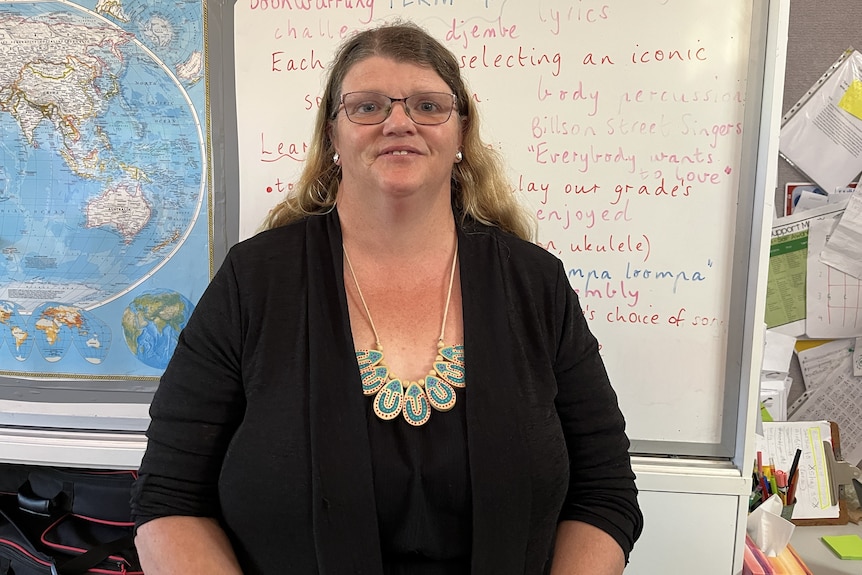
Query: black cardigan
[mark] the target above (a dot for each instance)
(259, 419)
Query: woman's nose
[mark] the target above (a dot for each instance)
(399, 116)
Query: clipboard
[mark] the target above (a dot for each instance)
(840, 473)
(825, 471)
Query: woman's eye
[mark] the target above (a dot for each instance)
(427, 107)
(367, 108)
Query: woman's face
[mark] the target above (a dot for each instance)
(396, 157)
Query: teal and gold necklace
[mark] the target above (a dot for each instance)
(412, 399)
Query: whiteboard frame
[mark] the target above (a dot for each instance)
(757, 180)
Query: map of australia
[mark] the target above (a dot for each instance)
(102, 164)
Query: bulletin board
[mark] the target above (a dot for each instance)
(805, 63)
(633, 131)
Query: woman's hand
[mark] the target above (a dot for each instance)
(188, 545)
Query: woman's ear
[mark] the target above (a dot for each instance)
(332, 141)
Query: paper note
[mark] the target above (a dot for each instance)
(833, 299)
(851, 101)
(777, 353)
(809, 201)
(845, 546)
(843, 250)
(842, 192)
(817, 364)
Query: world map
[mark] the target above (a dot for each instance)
(103, 177)
(152, 324)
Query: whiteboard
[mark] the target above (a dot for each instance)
(627, 133)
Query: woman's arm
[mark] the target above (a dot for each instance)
(188, 545)
(601, 506)
(582, 549)
(194, 413)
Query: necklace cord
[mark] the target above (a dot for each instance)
(448, 293)
(361, 297)
(365, 305)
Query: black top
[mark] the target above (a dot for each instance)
(260, 422)
(422, 489)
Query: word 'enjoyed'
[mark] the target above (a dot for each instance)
(589, 217)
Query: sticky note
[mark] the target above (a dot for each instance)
(851, 101)
(845, 546)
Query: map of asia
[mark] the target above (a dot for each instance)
(103, 185)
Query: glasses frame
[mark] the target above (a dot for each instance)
(392, 102)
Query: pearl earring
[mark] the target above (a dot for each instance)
(335, 157)
(458, 156)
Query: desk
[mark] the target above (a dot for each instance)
(817, 556)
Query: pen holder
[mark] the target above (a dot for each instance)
(787, 510)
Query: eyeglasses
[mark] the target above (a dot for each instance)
(427, 108)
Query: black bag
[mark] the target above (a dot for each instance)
(68, 522)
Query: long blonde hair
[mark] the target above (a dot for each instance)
(479, 186)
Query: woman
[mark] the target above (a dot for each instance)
(390, 379)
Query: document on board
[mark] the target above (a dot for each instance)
(843, 251)
(777, 354)
(842, 193)
(818, 364)
(788, 268)
(833, 299)
(810, 200)
(779, 442)
(821, 135)
(840, 401)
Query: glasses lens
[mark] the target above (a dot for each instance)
(430, 108)
(366, 107)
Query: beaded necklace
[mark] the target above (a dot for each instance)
(412, 399)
